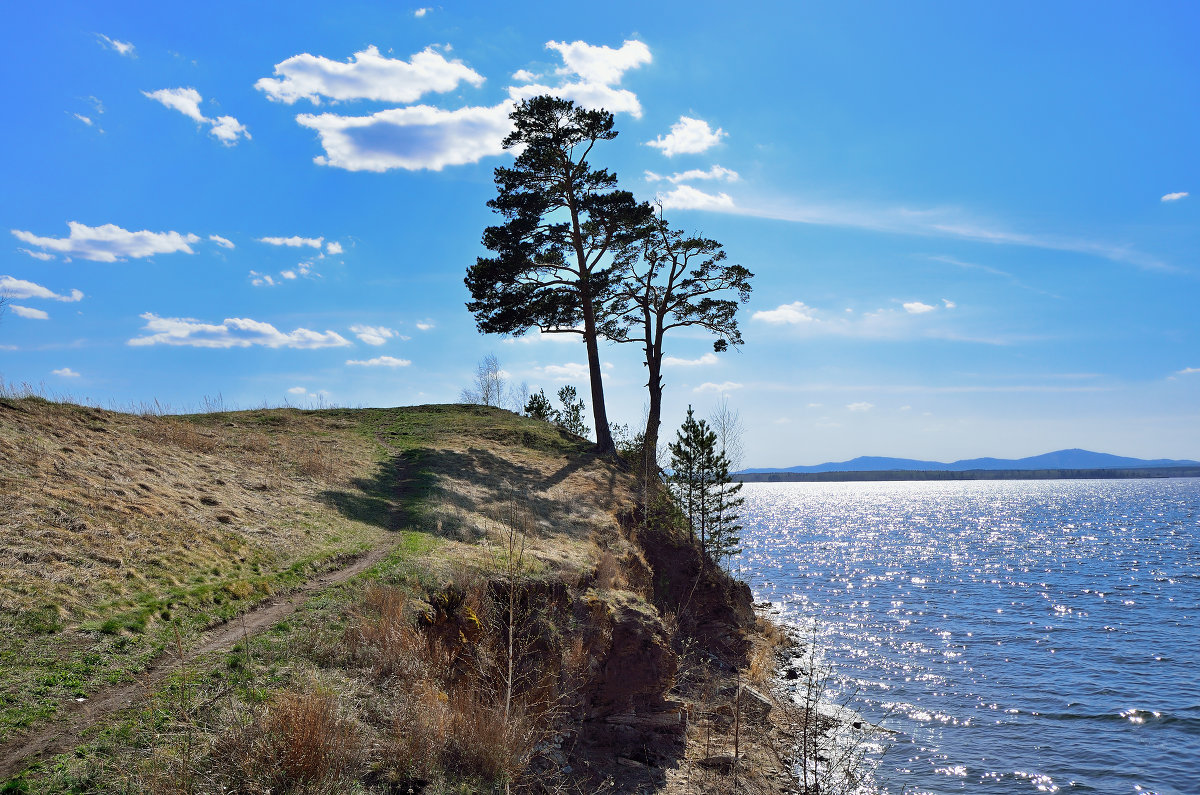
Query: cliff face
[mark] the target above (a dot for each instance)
(504, 587)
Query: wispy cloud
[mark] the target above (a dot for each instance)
(939, 222)
(120, 47)
(721, 388)
(109, 242)
(375, 335)
(913, 320)
(716, 173)
(65, 372)
(688, 136)
(230, 333)
(187, 101)
(294, 242)
(1188, 371)
(221, 241)
(1174, 197)
(860, 406)
(29, 312)
(706, 359)
(20, 288)
(379, 361)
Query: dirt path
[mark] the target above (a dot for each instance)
(74, 718)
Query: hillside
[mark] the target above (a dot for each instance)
(185, 599)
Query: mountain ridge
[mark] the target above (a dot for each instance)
(1074, 458)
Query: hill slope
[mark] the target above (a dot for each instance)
(1059, 459)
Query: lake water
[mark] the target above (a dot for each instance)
(1018, 636)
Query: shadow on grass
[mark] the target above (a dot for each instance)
(404, 492)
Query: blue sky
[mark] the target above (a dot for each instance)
(970, 223)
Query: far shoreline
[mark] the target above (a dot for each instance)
(1132, 473)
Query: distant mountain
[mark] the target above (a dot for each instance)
(1060, 459)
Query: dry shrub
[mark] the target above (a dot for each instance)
(180, 433)
(300, 742)
(314, 460)
(607, 572)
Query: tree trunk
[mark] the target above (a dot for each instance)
(654, 415)
(604, 440)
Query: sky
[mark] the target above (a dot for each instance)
(973, 226)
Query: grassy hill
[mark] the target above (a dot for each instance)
(448, 597)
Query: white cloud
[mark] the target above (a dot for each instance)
(1174, 197)
(721, 388)
(297, 390)
(83, 119)
(416, 137)
(109, 243)
(917, 308)
(228, 129)
(1188, 371)
(28, 312)
(599, 64)
(122, 47)
(718, 173)
(334, 247)
(19, 288)
(862, 405)
(294, 241)
(425, 325)
(685, 197)
(688, 136)
(571, 371)
(420, 12)
(374, 335)
(65, 372)
(946, 302)
(42, 255)
(599, 69)
(266, 279)
(187, 101)
(671, 361)
(793, 314)
(380, 361)
(231, 333)
(524, 76)
(366, 75)
(221, 241)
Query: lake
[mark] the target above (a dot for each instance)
(1017, 636)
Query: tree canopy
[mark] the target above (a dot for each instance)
(554, 266)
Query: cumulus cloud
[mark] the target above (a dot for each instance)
(413, 138)
(671, 361)
(1174, 197)
(230, 333)
(109, 242)
(65, 372)
(19, 288)
(29, 312)
(379, 361)
(792, 314)
(187, 101)
(366, 75)
(121, 47)
(374, 335)
(718, 173)
(297, 390)
(221, 241)
(917, 308)
(687, 136)
(685, 197)
(266, 279)
(425, 325)
(420, 12)
(334, 247)
(591, 74)
(294, 242)
(721, 388)
(525, 76)
(862, 405)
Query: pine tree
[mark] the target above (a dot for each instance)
(703, 489)
(570, 417)
(538, 406)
